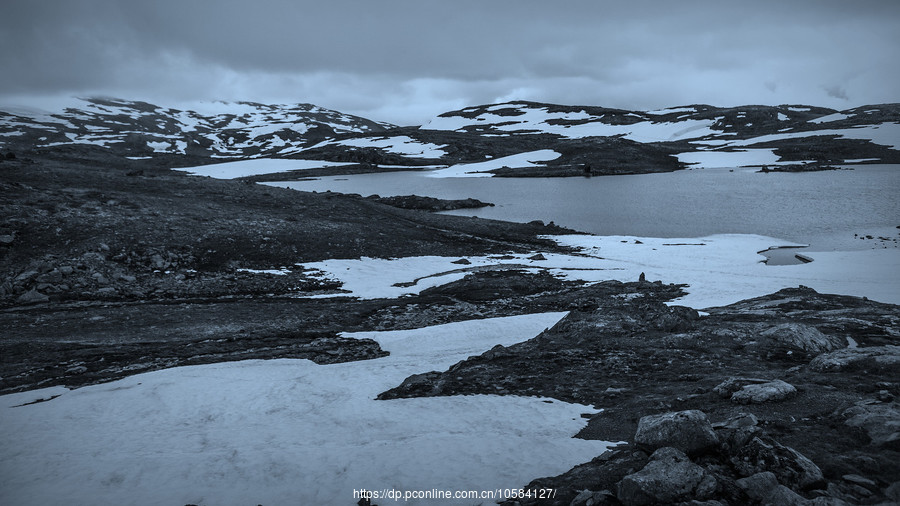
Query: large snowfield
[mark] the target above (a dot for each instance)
(289, 431)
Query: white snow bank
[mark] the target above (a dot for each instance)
(401, 145)
(671, 110)
(373, 278)
(723, 269)
(479, 169)
(886, 134)
(720, 269)
(541, 120)
(831, 117)
(289, 431)
(738, 158)
(243, 168)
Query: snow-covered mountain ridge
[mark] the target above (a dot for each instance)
(591, 139)
(227, 130)
(672, 124)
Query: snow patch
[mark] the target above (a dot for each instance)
(739, 158)
(831, 117)
(255, 167)
(723, 269)
(401, 145)
(289, 431)
(886, 134)
(480, 169)
(660, 112)
(542, 121)
(720, 269)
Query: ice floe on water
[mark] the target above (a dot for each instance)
(289, 431)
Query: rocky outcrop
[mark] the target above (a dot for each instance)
(32, 297)
(764, 489)
(670, 476)
(772, 411)
(747, 467)
(881, 421)
(792, 469)
(881, 357)
(688, 431)
(429, 203)
(771, 391)
(803, 337)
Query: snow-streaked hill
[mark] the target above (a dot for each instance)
(489, 139)
(771, 134)
(663, 125)
(225, 130)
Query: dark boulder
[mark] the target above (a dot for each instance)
(790, 467)
(804, 338)
(772, 391)
(688, 431)
(670, 476)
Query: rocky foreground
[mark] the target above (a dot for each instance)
(112, 267)
(784, 399)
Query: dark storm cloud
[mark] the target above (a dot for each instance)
(412, 59)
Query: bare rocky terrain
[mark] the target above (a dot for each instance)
(144, 259)
(775, 376)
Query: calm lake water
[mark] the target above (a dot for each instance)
(823, 209)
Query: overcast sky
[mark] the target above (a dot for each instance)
(406, 61)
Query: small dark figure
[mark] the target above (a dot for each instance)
(587, 169)
(765, 168)
(642, 278)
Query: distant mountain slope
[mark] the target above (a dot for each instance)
(700, 135)
(493, 139)
(664, 125)
(228, 130)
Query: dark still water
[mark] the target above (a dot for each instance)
(824, 209)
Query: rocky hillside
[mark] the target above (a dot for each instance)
(139, 129)
(508, 139)
(800, 388)
(700, 135)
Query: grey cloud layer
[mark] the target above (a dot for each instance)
(440, 52)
